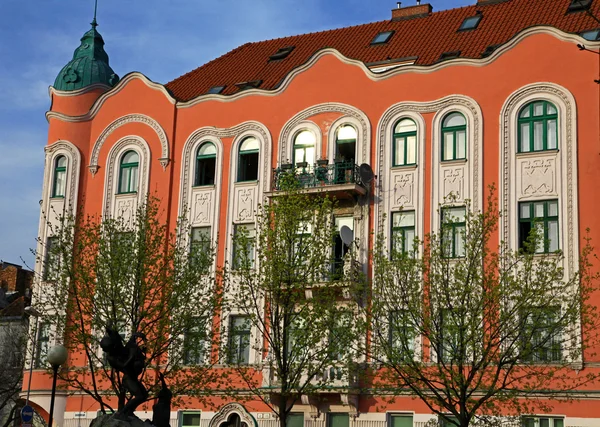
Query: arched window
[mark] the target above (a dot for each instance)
(345, 144)
(60, 177)
(404, 150)
(128, 172)
(206, 160)
(304, 147)
(454, 137)
(538, 127)
(248, 160)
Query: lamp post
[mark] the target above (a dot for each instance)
(56, 357)
(32, 312)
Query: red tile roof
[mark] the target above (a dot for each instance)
(425, 37)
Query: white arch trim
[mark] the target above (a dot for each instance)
(232, 408)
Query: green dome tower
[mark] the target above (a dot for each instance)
(89, 65)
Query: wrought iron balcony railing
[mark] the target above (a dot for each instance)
(320, 175)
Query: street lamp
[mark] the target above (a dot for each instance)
(56, 357)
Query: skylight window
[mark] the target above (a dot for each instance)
(591, 35)
(216, 89)
(579, 5)
(383, 37)
(449, 55)
(282, 53)
(470, 23)
(249, 85)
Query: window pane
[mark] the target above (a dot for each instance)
(130, 157)
(409, 239)
(405, 125)
(544, 422)
(539, 231)
(550, 109)
(192, 419)
(454, 119)
(346, 132)
(455, 214)
(299, 155)
(448, 146)
(401, 420)
(123, 188)
(207, 149)
(553, 236)
(411, 150)
(339, 420)
(524, 137)
(403, 219)
(59, 190)
(249, 144)
(538, 109)
(295, 420)
(525, 209)
(538, 210)
(305, 137)
(558, 422)
(399, 153)
(525, 112)
(553, 208)
(551, 135)
(462, 144)
(459, 236)
(538, 135)
(310, 155)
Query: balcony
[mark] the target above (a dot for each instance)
(341, 179)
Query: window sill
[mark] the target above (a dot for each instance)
(454, 162)
(57, 197)
(128, 193)
(204, 186)
(246, 183)
(405, 167)
(538, 153)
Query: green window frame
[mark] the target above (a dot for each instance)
(305, 142)
(541, 337)
(42, 345)
(404, 147)
(543, 216)
(206, 164)
(189, 418)
(454, 137)
(345, 144)
(59, 183)
(239, 340)
(403, 233)
(243, 256)
(537, 127)
(295, 419)
(200, 243)
(401, 335)
(400, 420)
(338, 419)
(542, 421)
(248, 160)
(453, 229)
(195, 343)
(129, 172)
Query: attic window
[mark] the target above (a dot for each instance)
(489, 50)
(382, 38)
(449, 55)
(216, 89)
(470, 23)
(591, 35)
(579, 5)
(249, 85)
(282, 53)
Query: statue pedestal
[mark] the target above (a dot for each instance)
(109, 420)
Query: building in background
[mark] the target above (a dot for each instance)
(436, 103)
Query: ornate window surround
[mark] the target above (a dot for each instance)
(232, 408)
(566, 166)
(361, 138)
(140, 146)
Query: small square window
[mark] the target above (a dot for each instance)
(470, 23)
(190, 418)
(249, 85)
(282, 53)
(216, 89)
(591, 35)
(449, 55)
(382, 37)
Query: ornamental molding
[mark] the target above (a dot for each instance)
(74, 156)
(348, 111)
(229, 409)
(130, 118)
(419, 69)
(566, 105)
(141, 147)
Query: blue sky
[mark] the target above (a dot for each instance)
(160, 38)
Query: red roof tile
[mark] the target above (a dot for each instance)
(426, 37)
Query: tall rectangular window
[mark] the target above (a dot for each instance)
(400, 420)
(200, 243)
(540, 338)
(195, 343)
(403, 232)
(402, 334)
(448, 331)
(542, 217)
(532, 421)
(338, 420)
(51, 259)
(340, 249)
(239, 340)
(42, 345)
(337, 336)
(244, 236)
(295, 419)
(453, 232)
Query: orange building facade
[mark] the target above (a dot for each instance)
(300, 97)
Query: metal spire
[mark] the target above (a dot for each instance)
(94, 23)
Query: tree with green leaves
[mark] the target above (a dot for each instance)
(133, 274)
(476, 330)
(288, 310)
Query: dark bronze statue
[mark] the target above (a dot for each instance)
(130, 360)
(161, 411)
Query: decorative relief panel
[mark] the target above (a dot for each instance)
(126, 207)
(245, 204)
(404, 190)
(202, 208)
(537, 177)
(454, 183)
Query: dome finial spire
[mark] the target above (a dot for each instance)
(94, 23)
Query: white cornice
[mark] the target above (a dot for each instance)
(420, 69)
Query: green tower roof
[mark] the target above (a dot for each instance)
(89, 65)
